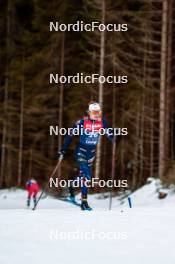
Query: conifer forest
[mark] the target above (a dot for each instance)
(144, 52)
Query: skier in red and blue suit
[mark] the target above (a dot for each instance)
(86, 147)
(32, 188)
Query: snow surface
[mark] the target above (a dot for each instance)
(60, 233)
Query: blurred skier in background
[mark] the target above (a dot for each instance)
(32, 188)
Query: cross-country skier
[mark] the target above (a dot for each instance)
(89, 128)
(32, 188)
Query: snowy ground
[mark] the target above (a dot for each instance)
(58, 232)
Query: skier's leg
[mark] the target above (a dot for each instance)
(71, 192)
(34, 197)
(29, 198)
(87, 176)
(77, 179)
(86, 169)
(80, 156)
(84, 160)
(28, 201)
(84, 175)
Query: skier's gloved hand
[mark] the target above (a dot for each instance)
(60, 154)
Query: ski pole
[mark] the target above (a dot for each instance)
(129, 202)
(113, 171)
(46, 186)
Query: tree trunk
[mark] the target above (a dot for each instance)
(152, 136)
(4, 133)
(163, 90)
(61, 93)
(136, 150)
(168, 84)
(30, 163)
(102, 54)
(21, 128)
(113, 125)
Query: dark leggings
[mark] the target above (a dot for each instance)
(84, 158)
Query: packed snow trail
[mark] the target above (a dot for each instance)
(58, 232)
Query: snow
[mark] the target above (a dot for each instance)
(58, 232)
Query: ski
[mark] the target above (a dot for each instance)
(87, 209)
(68, 200)
(74, 202)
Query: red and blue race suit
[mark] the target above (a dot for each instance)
(33, 188)
(89, 133)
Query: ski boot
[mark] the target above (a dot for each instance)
(84, 204)
(28, 202)
(72, 195)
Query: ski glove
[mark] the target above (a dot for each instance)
(60, 154)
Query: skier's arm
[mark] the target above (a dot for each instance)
(27, 185)
(68, 138)
(109, 131)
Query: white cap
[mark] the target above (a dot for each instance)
(94, 107)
